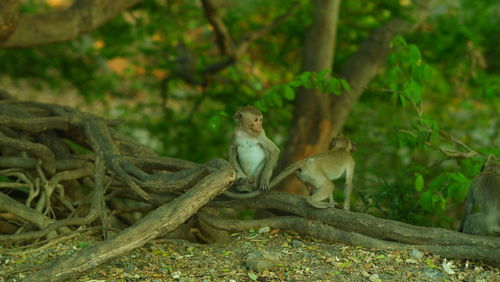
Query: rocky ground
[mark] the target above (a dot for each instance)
(260, 255)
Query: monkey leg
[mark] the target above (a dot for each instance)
(475, 224)
(325, 191)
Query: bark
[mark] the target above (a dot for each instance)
(310, 114)
(9, 17)
(317, 116)
(357, 229)
(57, 26)
(164, 219)
(326, 232)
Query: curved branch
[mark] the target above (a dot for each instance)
(93, 214)
(24, 212)
(160, 221)
(39, 150)
(326, 232)
(362, 223)
(59, 26)
(35, 124)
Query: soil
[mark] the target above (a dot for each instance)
(260, 255)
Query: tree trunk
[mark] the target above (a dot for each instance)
(319, 117)
(312, 122)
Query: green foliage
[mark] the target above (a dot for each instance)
(144, 67)
(276, 96)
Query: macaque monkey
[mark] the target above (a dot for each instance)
(484, 193)
(318, 171)
(251, 153)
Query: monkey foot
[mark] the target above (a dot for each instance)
(321, 205)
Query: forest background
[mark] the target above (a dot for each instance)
(414, 83)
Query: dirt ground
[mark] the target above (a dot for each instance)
(258, 255)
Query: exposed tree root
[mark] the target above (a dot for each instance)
(322, 231)
(362, 223)
(162, 220)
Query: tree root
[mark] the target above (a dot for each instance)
(318, 230)
(164, 219)
(361, 223)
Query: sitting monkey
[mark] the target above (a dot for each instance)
(251, 153)
(484, 193)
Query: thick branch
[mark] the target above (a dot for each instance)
(164, 219)
(365, 64)
(26, 213)
(317, 230)
(223, 38)
(39, 150)
(59, 26)
(9, 17)
(35, 124)
(362, 223)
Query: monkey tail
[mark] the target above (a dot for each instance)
(242, 195)
(286, 172)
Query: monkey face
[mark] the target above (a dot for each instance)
(253, 123)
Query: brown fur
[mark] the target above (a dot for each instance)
(484, 193)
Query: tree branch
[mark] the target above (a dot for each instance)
(59, 26)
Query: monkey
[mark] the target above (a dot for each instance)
(484, 192)
(317, 172)
(251, 153)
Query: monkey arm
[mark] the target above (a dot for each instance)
(233, 160)
(272, 156)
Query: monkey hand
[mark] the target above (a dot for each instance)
(264, 184)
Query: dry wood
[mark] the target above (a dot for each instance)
(362, 223)
(319, 230)
(164, 219)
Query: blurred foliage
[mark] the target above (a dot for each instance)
(441, 84)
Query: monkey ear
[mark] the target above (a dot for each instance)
(332, 144)
(237, 116)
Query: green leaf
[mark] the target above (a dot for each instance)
(398, 41)
(345, 85)
(434, 139)
(414, 54)
(457, 192)
(413, 91)
(323, 74)
(426, 201)
(392, 59)
(333, 86)
(252, 276)
(440, 180)
(419, 182)
(83, 245)
(460, 178)
(289, 93)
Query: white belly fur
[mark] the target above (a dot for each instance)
(250, 156)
